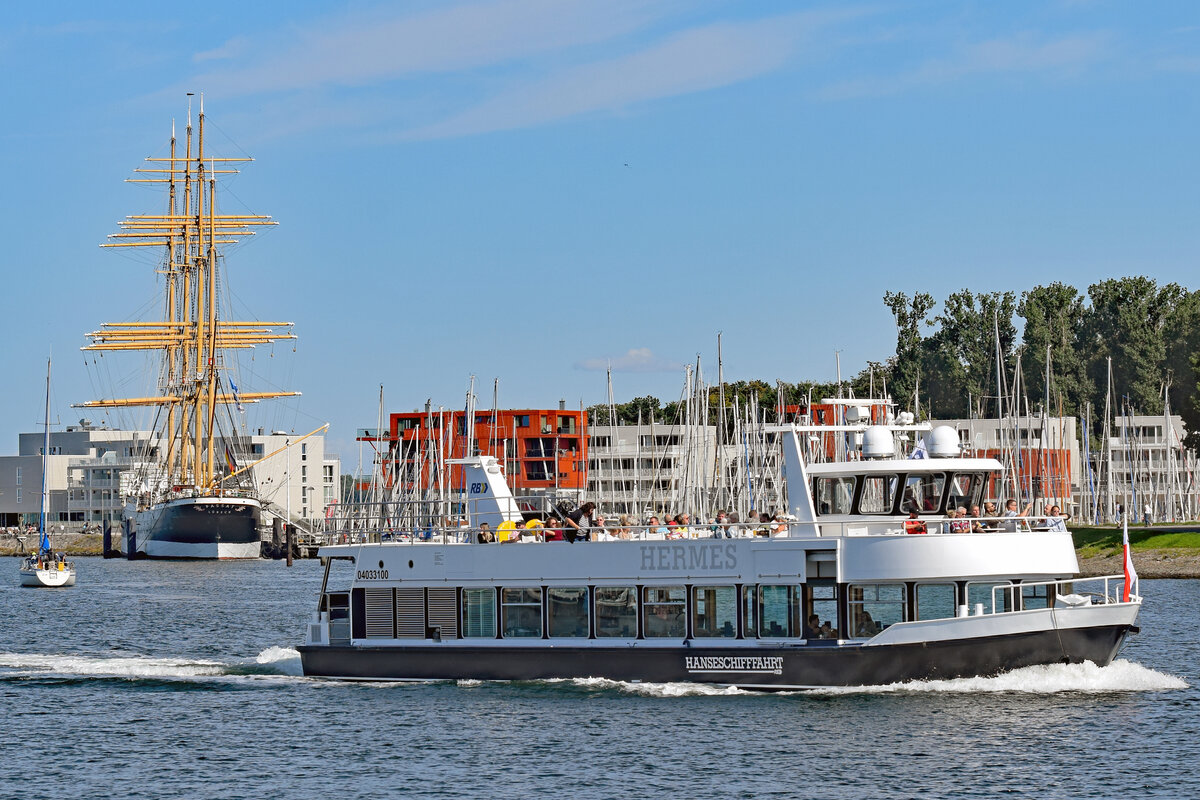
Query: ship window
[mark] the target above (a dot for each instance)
(980, 593)
(663, 608)
(779, 611)
(616, 611)
(521, 612)
(878, 493)
(965, 489)
(714, 611)
(923, 493)
(568, 610)
(834, 495)
(479, 613)
(1035, 596)
(822, 601)
(875, 606)
(935, 600)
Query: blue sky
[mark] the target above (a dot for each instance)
(530, 190)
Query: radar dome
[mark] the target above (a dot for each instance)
(942, 442)
(878, 443)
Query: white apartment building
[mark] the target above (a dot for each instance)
(668, 469)
(91, 469)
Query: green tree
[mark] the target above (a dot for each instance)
(1054, 318)
(1183, 363)
(910, 315)
(1127, 322)
(964, 350)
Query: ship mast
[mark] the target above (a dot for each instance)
(191, 337)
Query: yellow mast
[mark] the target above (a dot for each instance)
(191, 337)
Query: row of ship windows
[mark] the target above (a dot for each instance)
(818, 610)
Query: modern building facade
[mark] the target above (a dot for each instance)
(92, 469)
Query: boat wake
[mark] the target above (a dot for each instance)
(1120, 676)
(274, 663)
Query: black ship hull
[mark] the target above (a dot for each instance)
(200, 528)
(800, 666)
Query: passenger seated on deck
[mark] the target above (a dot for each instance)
(990, 512)
(976, 525)
(958, 520)
(550, 531)
(485, 535)
(913, 524)
(813, 629)
(1054, 522)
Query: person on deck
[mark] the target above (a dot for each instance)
(578, 523)
(1011, 515)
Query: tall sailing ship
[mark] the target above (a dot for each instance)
(191, 500)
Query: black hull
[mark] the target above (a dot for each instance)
(760, 667)
(201, 530)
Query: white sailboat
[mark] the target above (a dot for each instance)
(44, 568)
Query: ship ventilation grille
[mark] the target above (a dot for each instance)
(410, 613)
(379, 613)
(443, 611)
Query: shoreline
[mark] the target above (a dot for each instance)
(1151, 563)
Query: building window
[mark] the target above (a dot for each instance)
(522, 420)
(616, 611)
(875, 606)
(521, 613)
(714, 611)
(19, 470)
(304, 451)
(662, 612)
(18, 496)
(567, 608)
(479, 613)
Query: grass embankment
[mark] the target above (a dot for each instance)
(1167, 551)
(1106, 541)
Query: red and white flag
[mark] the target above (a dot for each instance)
(1130, 573)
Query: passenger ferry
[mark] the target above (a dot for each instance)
(870, 583)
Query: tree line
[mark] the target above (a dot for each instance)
(1150, 334)
(960, 362)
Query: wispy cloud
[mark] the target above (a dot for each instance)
(1024, 52)
(694, 60)
(364, 51)
(639, 359)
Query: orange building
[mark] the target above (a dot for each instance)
(541, 449)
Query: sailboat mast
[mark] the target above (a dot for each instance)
(45, 458)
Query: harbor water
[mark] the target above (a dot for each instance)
(176, 679)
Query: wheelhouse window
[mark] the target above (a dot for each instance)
(980, 593)
(714, 611)
(966, 489)
(479, 613)
(663, 610)
(834, 495)
(567, 608)
(779, 611)
(935, 600)
(878, 494)
(874, 606)
(616, 611)
(521, 613)
(923, 493)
